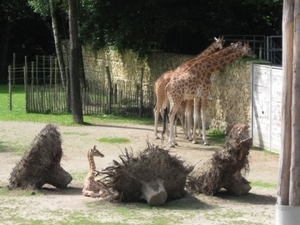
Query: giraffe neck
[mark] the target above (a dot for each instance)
(225, 51)
(208, 51)
(219, 63)
(221, 53)
(91, 162)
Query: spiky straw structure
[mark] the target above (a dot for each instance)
(223, 170)
(41, 163)
(153, 163)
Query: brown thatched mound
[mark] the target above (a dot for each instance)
(223, 170)
(152, 174)
(41, 163)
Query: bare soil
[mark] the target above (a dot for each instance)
(52, 205)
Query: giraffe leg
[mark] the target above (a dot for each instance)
(156, 117)
(199, 121)
(172, 114)
(203, 115)
(188, 115)
(196, 118)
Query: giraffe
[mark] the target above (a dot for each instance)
(160, 84)
(92, 186)
(194, 83)
(186, 106)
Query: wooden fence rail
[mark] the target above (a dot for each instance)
(45, 93)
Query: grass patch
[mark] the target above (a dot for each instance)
(215, 136)
(75, 133)
(18, 112)
(264, 150)
(262, 184)
(78, 176)
(113, 140)
(17, 149)
(19, 193)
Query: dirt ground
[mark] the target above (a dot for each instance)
(52, 205)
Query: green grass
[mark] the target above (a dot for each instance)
(113, 140)
(262, 184)
(18, 112)
(216, 136)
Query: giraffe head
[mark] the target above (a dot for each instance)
(95, 152)
(219, 42)
(247, 51)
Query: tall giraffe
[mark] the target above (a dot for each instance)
(92, 187)
(160, 84)
(186, 106)
(194, 83)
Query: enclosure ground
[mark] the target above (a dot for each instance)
(53, 206)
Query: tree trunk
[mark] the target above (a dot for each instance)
(74, 64)
(58, 47)
(287, 65)
(294, 199)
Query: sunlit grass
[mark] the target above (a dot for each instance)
(262, 184)
(113, 140)
(18, 112)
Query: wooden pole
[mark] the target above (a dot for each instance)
(285, 153)
(141, 93)
(14, 69)
(37, 69)
(110, 91)
(25, 84)
(294, 199)
(9, 87)
(44, 72)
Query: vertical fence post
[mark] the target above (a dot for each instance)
(50, 72)
(14, 69)
(110, 89)
(25, 84)
(141, 93)
(9, 87)
(37, 69)
(32, 74)
(25, 74)
(44, 72)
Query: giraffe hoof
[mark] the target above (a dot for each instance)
(206, 143)
(172, 146)
(195, 142)
(157, 138)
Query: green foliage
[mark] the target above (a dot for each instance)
(174, 25)
(40, 6)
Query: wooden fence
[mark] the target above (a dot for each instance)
(45, 93)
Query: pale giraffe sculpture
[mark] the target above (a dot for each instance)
(92, 187)
(160, 84)
(195, 83)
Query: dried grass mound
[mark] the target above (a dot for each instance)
(152, 174)
(223, 170)
(41, 163)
